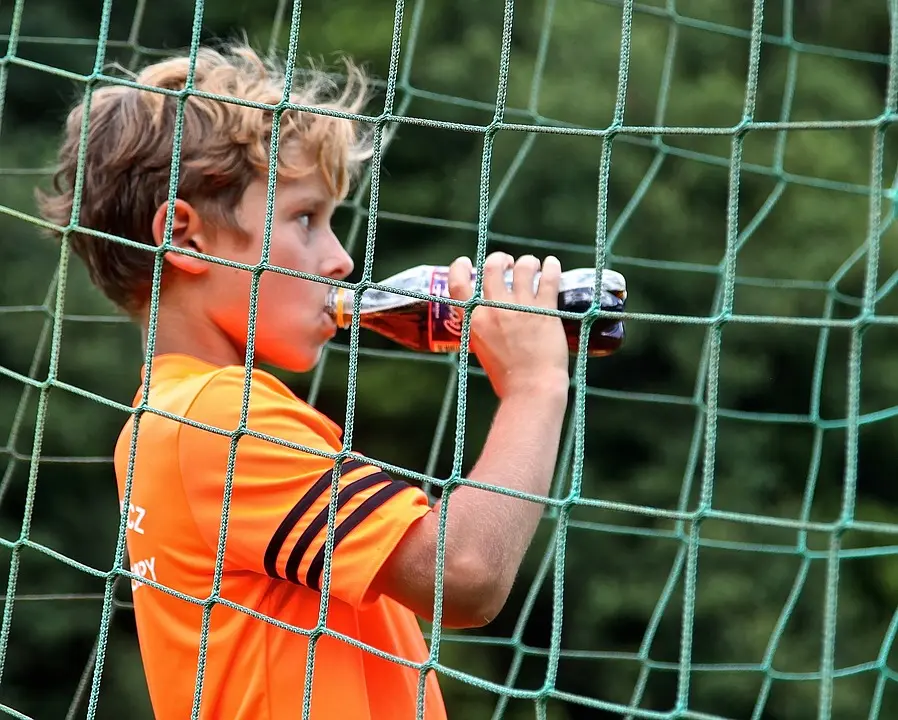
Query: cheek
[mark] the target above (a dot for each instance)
(229, 289)
(287, 298)
(286, 294)
(285, 249)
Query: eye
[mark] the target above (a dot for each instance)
(305, 219)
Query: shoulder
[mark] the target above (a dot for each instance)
(232, 382)
(270, 404)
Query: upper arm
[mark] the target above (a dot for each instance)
(281, 490)
(468, 586)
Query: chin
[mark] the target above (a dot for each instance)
(296, 360)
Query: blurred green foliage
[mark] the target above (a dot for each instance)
(780, 449)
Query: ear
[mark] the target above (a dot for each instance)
(186, 233)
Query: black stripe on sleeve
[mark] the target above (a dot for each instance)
(313, 577)
(314, 527)
(296, 512)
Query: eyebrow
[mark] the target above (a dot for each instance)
(306, 200)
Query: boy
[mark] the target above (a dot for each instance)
(383, 566)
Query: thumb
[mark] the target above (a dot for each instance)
(460, 285)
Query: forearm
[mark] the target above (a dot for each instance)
(487, 532)
(519, 454)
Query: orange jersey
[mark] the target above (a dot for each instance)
(273, 560)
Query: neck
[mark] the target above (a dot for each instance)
(190, 333)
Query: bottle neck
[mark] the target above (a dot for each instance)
(339, 305)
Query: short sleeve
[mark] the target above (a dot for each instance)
(281, 490)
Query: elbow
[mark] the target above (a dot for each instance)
(489, 598)
(473, 594)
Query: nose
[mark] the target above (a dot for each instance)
(339, 264)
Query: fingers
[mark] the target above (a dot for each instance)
(460, 285)
(549, 283)
(524, 273)
(494, 269)
(525, 270)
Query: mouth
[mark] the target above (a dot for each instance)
(330, 326)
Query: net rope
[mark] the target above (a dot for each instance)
(566, 493)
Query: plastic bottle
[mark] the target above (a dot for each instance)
(427, 326)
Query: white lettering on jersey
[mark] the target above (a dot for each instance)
(144, 568)
(135, 516)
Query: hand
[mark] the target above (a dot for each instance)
(521, 352)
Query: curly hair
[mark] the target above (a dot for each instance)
(224, 147)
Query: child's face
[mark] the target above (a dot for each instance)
(291, 324)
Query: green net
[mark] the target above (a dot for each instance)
(718, 537)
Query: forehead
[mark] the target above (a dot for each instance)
(308, 188)
(301, 175)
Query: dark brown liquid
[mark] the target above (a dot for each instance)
(408, 326)
(605, 335)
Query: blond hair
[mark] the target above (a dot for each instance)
(224, 147)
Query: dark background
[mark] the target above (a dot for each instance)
(769, 614)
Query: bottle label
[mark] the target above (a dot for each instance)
(443, 321)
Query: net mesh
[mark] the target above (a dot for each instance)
(690, 525)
